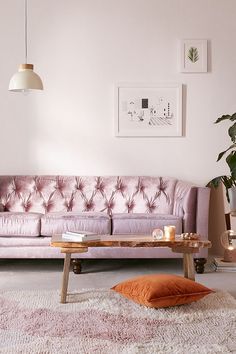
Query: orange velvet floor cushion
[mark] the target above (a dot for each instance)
(161, 290)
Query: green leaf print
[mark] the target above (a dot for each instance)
(193, 54)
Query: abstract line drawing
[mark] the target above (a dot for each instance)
(149, 111)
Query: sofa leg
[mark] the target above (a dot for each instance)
(77, 266)
(199, 265)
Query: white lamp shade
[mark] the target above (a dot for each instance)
(25, 79)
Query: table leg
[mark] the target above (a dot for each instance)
(65, 277)
(189, 269)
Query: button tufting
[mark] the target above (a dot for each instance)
(120, 186)
(151, 206)
(80, 186)
(89, 205)
(110, 205)
(117, 194)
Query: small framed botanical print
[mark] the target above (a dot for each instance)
(193, 56)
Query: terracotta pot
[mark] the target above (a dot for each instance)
(232, 199)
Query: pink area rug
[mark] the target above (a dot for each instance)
(101, 321)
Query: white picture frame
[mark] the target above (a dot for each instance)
(193, 56)
(148, 110)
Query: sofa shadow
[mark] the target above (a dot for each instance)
(129, 265)
(90, 266)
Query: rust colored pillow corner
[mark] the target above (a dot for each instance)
(161, 290)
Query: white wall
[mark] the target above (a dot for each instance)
(81, 48)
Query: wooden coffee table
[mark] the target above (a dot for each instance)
(186, 247)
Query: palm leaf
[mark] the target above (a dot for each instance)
(233, 117)
(228, 182)
(232, 132)
(223, 152)
(231, 161)
(224, 117)
(193, 54)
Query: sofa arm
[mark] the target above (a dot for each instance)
(185, 205)
(202, 214)
(192, 204)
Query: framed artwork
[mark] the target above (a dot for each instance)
(148, 110)
(193, 56)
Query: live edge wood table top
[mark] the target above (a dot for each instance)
(186, 247)
(128, 241)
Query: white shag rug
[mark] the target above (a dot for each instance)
(104, 322)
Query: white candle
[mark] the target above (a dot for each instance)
(169, 232)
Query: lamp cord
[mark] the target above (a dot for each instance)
(26, 32)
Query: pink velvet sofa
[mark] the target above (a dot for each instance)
(35, 207)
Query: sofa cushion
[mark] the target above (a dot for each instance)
(143, 223)
(24, 241)
(20, 224)
(57, 223)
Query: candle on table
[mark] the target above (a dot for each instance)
(169, 232)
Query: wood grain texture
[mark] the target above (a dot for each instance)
(65, 277)
(189, 270)
(129, 241)
(75, 250)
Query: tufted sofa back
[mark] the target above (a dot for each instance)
(111, 194)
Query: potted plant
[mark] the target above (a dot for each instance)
(229, 181)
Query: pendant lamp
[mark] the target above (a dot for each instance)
(25, 79)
